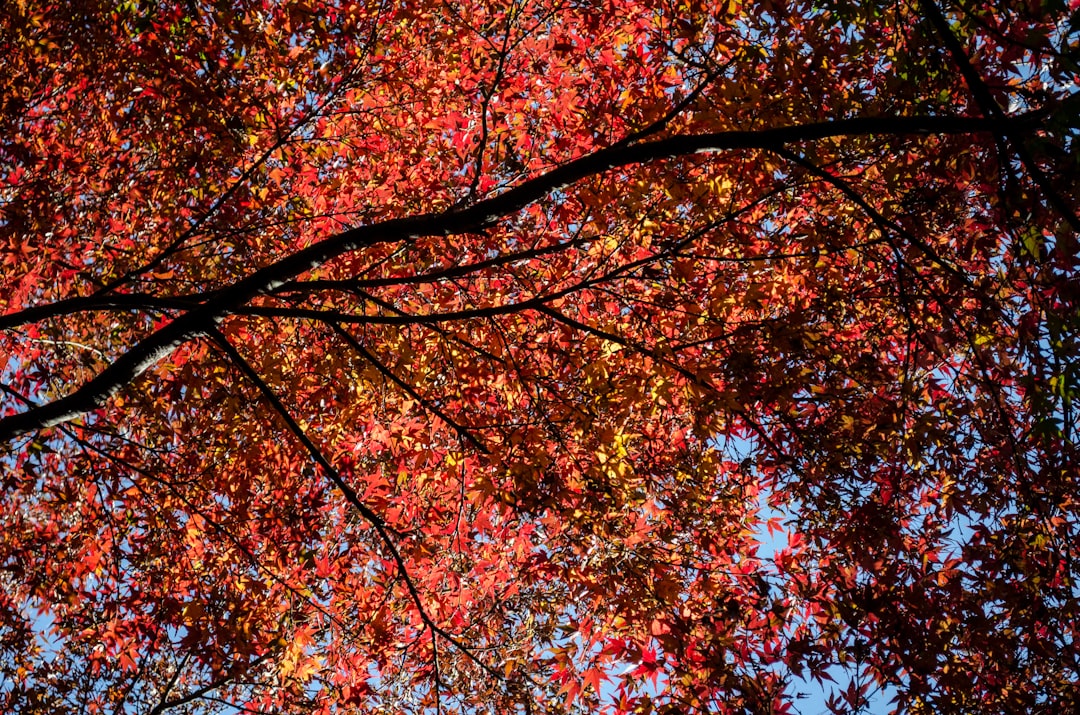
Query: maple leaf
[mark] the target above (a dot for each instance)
(476, 357)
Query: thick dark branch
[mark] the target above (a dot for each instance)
(489, 211)
(94, 393)
(85, 304)
(146, 302)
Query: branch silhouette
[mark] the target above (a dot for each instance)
(201, 320)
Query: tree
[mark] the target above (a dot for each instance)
(474, 357)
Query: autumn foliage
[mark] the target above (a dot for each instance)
(520, 356)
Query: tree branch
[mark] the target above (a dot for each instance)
(384, 530)
(989, 107)
(203, 319)
(431, 407)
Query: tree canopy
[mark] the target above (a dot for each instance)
(538, 356)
